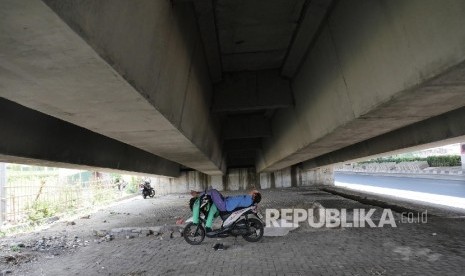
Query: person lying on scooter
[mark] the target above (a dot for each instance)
(222, 203)
(229, 203)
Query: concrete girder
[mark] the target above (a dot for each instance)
(242, 144)
(207, 27)
(155, 95)
(249, 91)
(375, 67)
(444, 129)
(241, 158)
(45, 140)
(311, 21)
(255, 35)
(246, 126)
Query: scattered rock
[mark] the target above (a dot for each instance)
(100, 233)
(52, 219)
(176, 235)
(18, 258)
(17, 245)
(71, 223)
(167, 235)
(155, 229)
(86, 217)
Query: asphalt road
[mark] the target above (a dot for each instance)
(455, 188)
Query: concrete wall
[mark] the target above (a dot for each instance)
(244, 180)
(188, 181)
(376, 66)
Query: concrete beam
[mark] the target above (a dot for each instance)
(246, 126)
(205, 13)
(242, 144)
(241, 159)
(315, 11)
(262, 60)
(32, 137)
(207, 26)
(255, 35)
(249, 91)
(376, 67)
(134, 71)
(441, 130)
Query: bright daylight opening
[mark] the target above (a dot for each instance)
(435, 175)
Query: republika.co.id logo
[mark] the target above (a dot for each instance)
(332, 218)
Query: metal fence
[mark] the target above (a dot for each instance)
(34, 200)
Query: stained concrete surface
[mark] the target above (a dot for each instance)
(436, 247)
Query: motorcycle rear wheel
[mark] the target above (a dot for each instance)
(256, 227)
(194, 233)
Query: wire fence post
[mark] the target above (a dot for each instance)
(2, 193)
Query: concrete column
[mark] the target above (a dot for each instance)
(283, 178)
(320, 176)
(245, 179)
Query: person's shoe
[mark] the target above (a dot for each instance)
(210, 232)
(220, 247)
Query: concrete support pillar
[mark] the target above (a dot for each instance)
(241, 179)
(267, 181)
(216, 182)
(245, 179)
(320, 176)
(283, 178)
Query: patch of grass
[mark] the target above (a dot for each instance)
(40, 210)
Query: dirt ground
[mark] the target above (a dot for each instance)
(72, 248)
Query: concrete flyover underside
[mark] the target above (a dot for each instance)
(44, 138)
(217, 85)
(45, 66)
(376, 66)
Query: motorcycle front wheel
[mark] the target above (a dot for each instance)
(256, 230)
(194, 233)
(152, 193)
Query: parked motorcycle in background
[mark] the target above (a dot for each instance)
(146, 189)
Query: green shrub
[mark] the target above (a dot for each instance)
(433, 161)
(41, 210)
(132, 187)
(444, 161)
(392, 159)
